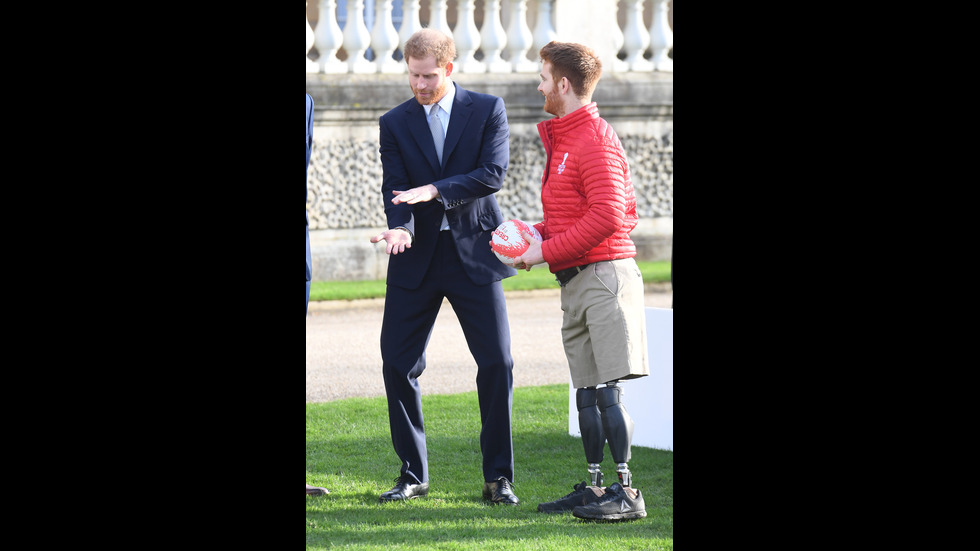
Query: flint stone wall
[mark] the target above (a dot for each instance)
(344, 178)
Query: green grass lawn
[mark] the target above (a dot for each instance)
(349, 452)
(538, 278)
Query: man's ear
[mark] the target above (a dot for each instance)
(449, 68)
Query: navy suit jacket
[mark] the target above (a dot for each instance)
(309, 148)
(476, 154)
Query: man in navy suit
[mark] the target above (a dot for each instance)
(441, 213)
(310, 490)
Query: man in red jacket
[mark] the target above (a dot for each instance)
(589, 211)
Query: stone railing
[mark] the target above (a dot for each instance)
(502, 37)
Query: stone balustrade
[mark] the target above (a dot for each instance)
(367, 36)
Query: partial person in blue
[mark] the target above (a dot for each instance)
(444, 154)
(310, 490)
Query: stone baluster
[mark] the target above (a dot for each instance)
(467, 38)
(617, 34)
(410, 24)
(357, 39)
(519, 39)
(493, 38)
(384, 38)
(618, 65)
(329, 39)
(661, 38)
(311, 66)
(636, 38)
(544, 29)
(437, 16)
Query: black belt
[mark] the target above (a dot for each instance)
(566, 275)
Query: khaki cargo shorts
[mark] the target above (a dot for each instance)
(604, 324)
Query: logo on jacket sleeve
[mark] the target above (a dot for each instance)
(561, 167)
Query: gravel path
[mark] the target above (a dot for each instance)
(343, 355)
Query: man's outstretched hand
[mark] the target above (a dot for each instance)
(397, 240)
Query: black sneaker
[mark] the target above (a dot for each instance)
(583, 495)
(618, 503)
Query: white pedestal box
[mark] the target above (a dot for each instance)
(649, 400)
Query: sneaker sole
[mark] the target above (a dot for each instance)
(615, 516)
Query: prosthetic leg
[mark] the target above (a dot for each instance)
(590, 423)
(601, 416)
(618, 501)
(617, 426)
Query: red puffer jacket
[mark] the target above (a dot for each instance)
(586, 192)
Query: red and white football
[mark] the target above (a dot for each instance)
(507, 241)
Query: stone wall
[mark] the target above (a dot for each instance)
(344, 179)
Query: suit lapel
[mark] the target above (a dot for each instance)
(462, 109)
(419, 127)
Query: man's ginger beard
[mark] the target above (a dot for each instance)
(436, 94)
(553, 104)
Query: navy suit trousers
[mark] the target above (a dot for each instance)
(408, 321)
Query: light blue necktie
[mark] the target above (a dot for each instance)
(439, 137)
(435, 125)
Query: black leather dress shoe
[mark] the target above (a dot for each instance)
(404, 489)
(500, 491)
